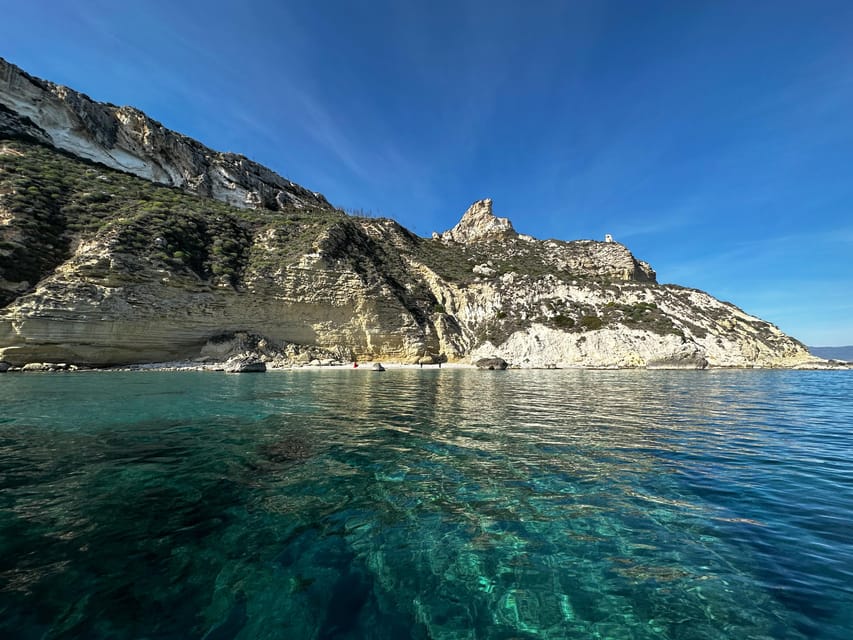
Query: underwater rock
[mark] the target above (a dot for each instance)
(286, 450)
(350, 594)
(233, 624)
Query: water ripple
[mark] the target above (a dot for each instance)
(430, 504)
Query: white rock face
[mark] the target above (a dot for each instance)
(540, 346)
(124, 138)
(483, 270)
(698, 330)
(479, 223)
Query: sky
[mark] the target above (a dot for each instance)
(714, 139)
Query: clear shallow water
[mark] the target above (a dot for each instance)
(427, 504)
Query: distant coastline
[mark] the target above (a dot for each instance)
(845, 354)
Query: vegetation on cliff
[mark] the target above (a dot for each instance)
(78, 238)
(51, 201)
(54, 201)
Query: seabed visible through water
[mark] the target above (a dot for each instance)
(427, 504)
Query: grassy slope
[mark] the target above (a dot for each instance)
(57, 201)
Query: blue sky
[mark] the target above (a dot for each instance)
(715, 139)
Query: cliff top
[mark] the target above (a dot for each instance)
(126, 139)
(479, 223)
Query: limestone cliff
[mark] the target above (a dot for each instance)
(126, 139)
(100, 267)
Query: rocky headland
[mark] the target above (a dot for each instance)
(123, 242)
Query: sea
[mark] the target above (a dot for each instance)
(427, 503)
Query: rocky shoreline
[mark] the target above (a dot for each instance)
(325, 365)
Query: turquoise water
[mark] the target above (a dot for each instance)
(427, 504)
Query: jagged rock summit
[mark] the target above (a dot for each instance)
(126, 139)
(479, 223)
(102, 265)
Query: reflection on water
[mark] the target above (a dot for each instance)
(427, 504)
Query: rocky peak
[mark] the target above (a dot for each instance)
(480, 223)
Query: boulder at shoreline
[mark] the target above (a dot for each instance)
(245, 365)
(492, 363)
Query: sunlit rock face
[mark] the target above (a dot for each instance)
(369, 289)
(126, 139)
(100, 268)
(479, 223)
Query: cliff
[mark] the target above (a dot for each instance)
(122, 242)
(126, 139)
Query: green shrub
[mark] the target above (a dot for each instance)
(565, 322)
(591, 322)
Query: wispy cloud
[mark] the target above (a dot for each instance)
(657, 223)
(781, 252)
